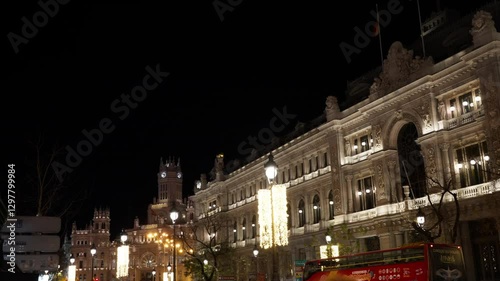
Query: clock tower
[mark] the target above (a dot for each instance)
(170, 181)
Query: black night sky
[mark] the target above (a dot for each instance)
(228, 72)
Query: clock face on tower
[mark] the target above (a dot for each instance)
(179, 174)
(163, 174)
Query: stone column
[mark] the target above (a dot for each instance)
(381, 181)
(350, 199)
(294, 212)
(386, 241)
(309, 210)
(446, 161)
(398, 238)
(334, 137)
(393, 194)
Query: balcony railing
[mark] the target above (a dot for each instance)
(413, 204)
(463, 119)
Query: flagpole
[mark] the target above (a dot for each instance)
(379, 37)
(420, 23)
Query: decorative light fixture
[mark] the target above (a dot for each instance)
(271, 168)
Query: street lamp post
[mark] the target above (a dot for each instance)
(273, 231)
(154, 274)
(328, 239)
(420, 218)
(255, 254)
(93, 250)
(169, 267)
(71, 269)
(122, 261)
(174, 215)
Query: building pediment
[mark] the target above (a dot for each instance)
(400, 68)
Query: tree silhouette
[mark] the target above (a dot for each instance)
(436, 229)
(206, 240)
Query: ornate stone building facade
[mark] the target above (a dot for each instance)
(363, 173)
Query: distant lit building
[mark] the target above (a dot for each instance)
(361, 170)
(151, 244)
(96, 233)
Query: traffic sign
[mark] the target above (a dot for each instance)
(33, 224)
(31, 244)
(35, 263)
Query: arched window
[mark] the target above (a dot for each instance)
(244, 229)
(331, 213)
(316, 209)
(411, 162)
(302, 213)
(254, 226)
(235, 232)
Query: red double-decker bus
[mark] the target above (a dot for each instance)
(419, 262)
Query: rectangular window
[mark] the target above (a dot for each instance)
(365, 196)
(365, 145)
(473, 164)
(453, 109)
(466, 103)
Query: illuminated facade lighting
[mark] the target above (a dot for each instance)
(122, 261)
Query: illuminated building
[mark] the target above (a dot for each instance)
(361, 170)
